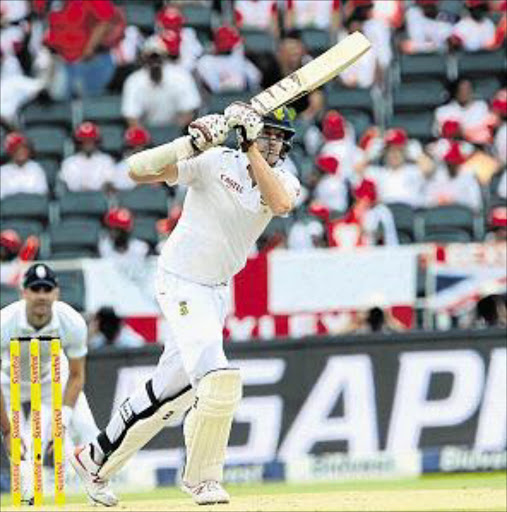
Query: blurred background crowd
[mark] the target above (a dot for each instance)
(408, 145)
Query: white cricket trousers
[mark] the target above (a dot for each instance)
(195, 314)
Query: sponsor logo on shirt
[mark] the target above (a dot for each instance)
(231, 184)
(183, 308)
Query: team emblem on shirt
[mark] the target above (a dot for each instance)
(183, 308)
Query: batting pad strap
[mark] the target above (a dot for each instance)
(140, 428)
(208, 425)
(153, 161)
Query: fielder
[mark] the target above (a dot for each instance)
(40, 313)
(232, 195)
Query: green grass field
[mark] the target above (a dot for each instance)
(462, 492)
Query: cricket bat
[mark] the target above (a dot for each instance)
(314, 74)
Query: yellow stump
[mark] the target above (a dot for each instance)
(15, 362)
(57, 423)
(35, 397)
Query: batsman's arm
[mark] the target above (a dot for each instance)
(272, 190)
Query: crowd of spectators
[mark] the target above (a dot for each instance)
(166, 61)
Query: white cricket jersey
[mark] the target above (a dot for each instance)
(223, 216)
(66, 323)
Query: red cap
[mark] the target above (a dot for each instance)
(497, 217)
(395, 137)
(225, 38)
(450, 128)
(327, 163)
(13, 141)
(499, 103)
(319, 210)
(120, 218)
(474, 3)
(172, 42)
(10, 240)
(368, 137)
(366, 190)
(137, 136)
(333, 126)
(170, 18)
(454, 155)
(87, 131)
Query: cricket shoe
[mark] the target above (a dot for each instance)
(207, 492)
(97, 488)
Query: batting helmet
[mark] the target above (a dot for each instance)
(13, 141)
(282, 118)
(87, 131)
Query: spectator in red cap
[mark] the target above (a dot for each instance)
(339, 141)
(82, 34)
(398, 179)
(449, 184)
(21, 174)
(171, 18)
(119, 243)
(310, 232)
(332, 189)
(227, 68)
(161, 92)
(14, 253)
(472, 115)
(324, 15)
(475, 30)
(497, 224)
(135, 139)
(366, 222)
(89, 168)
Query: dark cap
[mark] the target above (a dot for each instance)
(40, 274)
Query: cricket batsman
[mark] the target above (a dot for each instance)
(232, 195)
(40, 313)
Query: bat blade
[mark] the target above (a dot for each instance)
(312, 75)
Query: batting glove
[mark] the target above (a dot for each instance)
(208, 131)
(246, 119)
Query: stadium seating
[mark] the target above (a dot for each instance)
(339, 97)
(58, 113)
(145, 229)
(419, 96)
(25, 206)
(316, 41)
(218, 102)
(102, 109)
(74, 235)
(8, 295)
(361, 121)
(72, 288)
(417, 124)
(112, 138)
(163, 134)
(445, 236)
(485, 88)
(197, 16)
(482, 63)
(423, 66)
(51, 168)
(404, 217)
(147, 200)
(79, 205)
(47, 140)
(24, 228)
(446, 219)
(141, 14)
(258, 41)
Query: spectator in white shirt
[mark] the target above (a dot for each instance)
(339, 141)
(253, 14)
(171, 18)
(119, 243)
(475, 31)
(89, 168)
(161, 92)
(135, 139)
(473, 115)
(227, 69)
(449, 184)
(21, 174)
(499, 108)
(398, 180)
(331, 190)
(426, 31)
